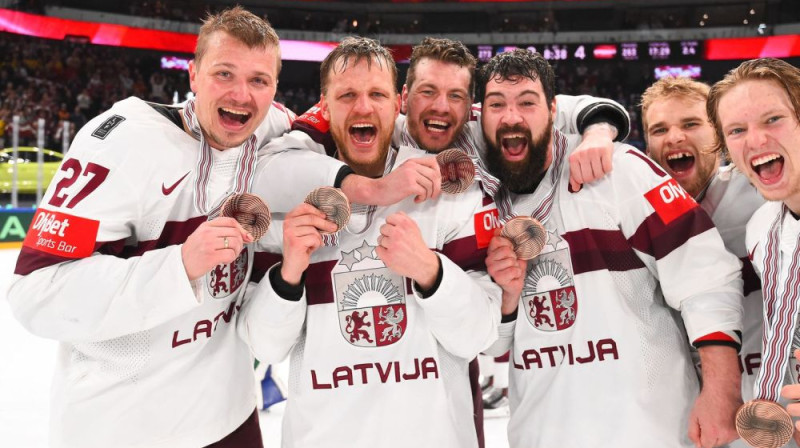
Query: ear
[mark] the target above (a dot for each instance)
(193, 75)
(553, 109)
(404, 100)
(323, 107)
(399, 105)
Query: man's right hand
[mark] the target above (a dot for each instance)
(415, 177)
(214, 242)
(507, 270)
(792, 393)
(301, 237)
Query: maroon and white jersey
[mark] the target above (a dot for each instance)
(373, 363)
(146, 357)
(598, 350)
(730, 200)
(758, 248)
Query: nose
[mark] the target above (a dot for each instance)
(512, 116)
(240, 92)
(362, 105)
(439, 103)
(675, 135)
(756, 137)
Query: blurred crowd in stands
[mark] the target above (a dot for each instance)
(72, 82)
(414, 16)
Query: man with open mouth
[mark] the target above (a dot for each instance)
(378, 318)
(755, 111)
(680, 138)
(591, 319)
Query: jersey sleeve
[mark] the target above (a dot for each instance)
(575, 113)
(464, 312)
(679, 245)
(270, 324)
(74, 279)
(289, 168)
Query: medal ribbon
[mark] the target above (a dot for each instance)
(245, 166)
(780, 313)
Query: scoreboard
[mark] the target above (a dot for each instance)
(684, 50)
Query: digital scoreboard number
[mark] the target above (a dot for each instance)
(684, 51)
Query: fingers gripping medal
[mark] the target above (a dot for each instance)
(458, 171)
(333, 203)
(764, 424)
(527, 235)
(249, 211)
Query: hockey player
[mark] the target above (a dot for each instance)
(436, 100)
(755, 110)
(128, 265)
(679, 138)
(377, 323)
(591, 318)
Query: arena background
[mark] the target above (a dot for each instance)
(64, 61)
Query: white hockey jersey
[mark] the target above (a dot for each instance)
(146, 358)
(373, 363)
(598, 353)
(730, 200)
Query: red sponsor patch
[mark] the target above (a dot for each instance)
(485, 225)
(313, 117)
(61, 234)
(670, 201)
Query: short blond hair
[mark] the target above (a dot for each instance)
(242, 25)
(672, 88)
(766, 69)
(354, 50)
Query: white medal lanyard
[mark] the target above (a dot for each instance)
(332, 239)
(780, 312)
(489, 184)
(541, 211)
(245, 166)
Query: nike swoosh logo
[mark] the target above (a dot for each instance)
(168, 190)
(752, 252)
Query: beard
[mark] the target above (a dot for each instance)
(525, 175)
(375, 166)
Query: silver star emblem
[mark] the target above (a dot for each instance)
(349, 259)
(366, 251)
(553, 238)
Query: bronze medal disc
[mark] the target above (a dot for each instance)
(249, 211)
(333, 203)
(458, 171)
(764, 424)
(527, 235)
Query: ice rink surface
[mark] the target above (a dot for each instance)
(26, 367)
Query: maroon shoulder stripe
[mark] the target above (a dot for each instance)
(656, 169)
(751, 280)
(174, 232)
(262, 261)
(659, 240)
(595, 250)
(319, 285)
(464, 252)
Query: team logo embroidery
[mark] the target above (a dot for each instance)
(225, 279)
(548, 296)
(370, 299)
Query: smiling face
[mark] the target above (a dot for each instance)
(361, 104)
(234, 87)
(679, 138)
(517, 124)
(762, 135)
(437, 103)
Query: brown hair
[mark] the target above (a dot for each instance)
(518, 64)
(672, 87)
(355, 49)
(242, 25)
(768, 69)
(444, 50)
